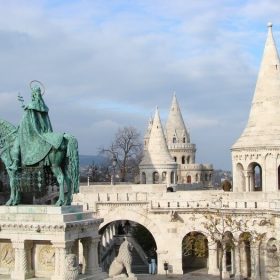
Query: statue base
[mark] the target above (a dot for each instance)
(43, 241)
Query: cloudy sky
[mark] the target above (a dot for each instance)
(108, 63)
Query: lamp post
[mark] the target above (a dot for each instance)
(114, 164)
(89, 174)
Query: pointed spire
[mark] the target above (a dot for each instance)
(175, 125)
(157, 151)
(263, 127)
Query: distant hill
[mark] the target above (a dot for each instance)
(86, 160)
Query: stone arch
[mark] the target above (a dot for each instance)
(271, 260)
(228, 252)
(245, 254)
(113, 235)
(255, 176)
(155, 177)
(140, 217)
(194, 251)
(240, 178)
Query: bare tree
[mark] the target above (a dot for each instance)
(126, 149)
(220, 227)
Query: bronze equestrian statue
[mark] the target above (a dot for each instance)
(34, 144)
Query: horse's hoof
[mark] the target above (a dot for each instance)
(9, 202)
(59, 203)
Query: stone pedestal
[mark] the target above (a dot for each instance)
(36, 240)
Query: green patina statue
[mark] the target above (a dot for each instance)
(33, 144)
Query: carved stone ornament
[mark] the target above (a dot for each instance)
(71, 267)
(47, 257)
(7, 256)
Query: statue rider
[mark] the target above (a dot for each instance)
(32, 142)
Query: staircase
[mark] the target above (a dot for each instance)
(138, 265)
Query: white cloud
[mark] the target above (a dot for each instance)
(109, 63)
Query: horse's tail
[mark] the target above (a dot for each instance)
(73, 161)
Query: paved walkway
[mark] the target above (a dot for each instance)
(195, 275)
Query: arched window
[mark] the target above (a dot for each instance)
(189, 179)
(183, 160)
(188, 159)
(155, 178)
(175, 159)
(206, 177)
(143, 178)
(174, 140)
(255, 175)
(184, 139)
(196, 177)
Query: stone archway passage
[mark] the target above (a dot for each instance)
(194, 251)
(144, 256)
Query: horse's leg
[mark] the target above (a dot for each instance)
(68, 199)
(14, 198)
(60, 179)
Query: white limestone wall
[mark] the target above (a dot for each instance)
(152, 207)
(242, 162)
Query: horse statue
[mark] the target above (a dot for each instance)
(33, 144)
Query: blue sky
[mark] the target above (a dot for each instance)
(108, 64)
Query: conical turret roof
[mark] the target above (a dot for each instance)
(263, 127)
(175, 125)
(157, 151)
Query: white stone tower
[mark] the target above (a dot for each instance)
(182, 151)
(256, 154)
(157, 165)
(177, 136)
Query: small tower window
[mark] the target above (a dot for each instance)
(184, 140)
(183, 160)
(175, 159)
(174, 139)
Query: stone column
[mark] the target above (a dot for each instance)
(21, 263)
(61, 250)
(90, 251)
(247, 181)
(255, 260)
(213, 260)
(236, 263)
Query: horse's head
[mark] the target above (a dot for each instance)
(8, 134)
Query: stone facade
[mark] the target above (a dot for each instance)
(36, 241)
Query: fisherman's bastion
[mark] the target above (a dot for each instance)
(232, 233)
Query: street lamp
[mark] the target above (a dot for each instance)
(114, 164)
(89, 174)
